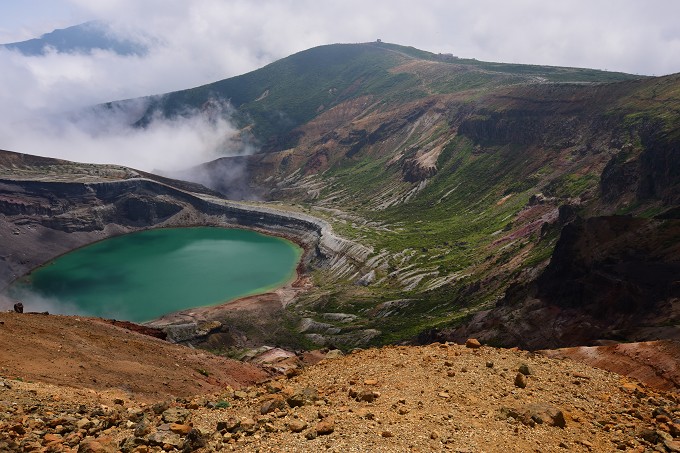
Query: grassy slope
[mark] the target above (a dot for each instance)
(454, 225)
(289, 92)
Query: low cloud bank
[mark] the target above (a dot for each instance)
(105, 135)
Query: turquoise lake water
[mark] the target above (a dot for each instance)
(141, 276)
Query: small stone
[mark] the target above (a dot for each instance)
(163, 438)
(450, 373)
(489, 364)
(240, 395)
(49, 437)
(334, 354)
(175, 415)
(537, 413)
(371, 382)
(367, 395)
(229, 425)
(387, 434)
(194, 440)
(160, 407)
(326, 426)
(434, 435)
(672, 445)
(524, 369)
(520, 380)
(143, 428)
(297, 426)
(365, 413)
(444, 395)
(473, 343)
(84, 423)
(276, 403)
(180, 429)
(99, 445)
(248, 425)
(302, 397)
(674, 429)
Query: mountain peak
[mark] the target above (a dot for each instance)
(82, 38)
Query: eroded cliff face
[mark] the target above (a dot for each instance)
(610, 278)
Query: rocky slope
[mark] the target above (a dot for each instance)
(400, 398)
(609, 278)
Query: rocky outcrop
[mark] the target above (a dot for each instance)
(610, 278)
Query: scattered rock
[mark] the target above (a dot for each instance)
(194, 440)
(273, 404)
(367, 395)
(302, 397)
(334, 354)
(297, 425)
(326, 426)
(180, 429)
(473, 343)
(229, 425)
(175, 415)
(161, 438)
(520, 381)
(537, 413)
(672, 445)
(100, 445)
(524, 369)
(248, 425)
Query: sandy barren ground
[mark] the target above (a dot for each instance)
(88, 353)
(73, 384)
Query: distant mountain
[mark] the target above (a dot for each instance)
(83, 38)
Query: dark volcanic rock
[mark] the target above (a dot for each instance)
(612, 265)
(610, 278)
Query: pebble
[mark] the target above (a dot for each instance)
(325, 427)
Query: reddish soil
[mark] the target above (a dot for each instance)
(653, 362)
(88, 353)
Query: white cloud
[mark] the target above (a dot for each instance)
(200, 41)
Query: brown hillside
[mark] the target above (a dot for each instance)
(87, 353)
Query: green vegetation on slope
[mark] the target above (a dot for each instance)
(285, 94)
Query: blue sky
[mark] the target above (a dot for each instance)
(25, 19)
